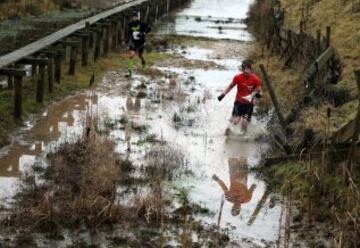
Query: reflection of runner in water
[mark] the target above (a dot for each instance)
(238, 192)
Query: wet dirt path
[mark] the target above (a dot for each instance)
(178, 106)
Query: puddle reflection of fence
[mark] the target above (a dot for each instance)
(47, 130)
(10, 164)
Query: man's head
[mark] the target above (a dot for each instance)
(246, 66)
(135, 16)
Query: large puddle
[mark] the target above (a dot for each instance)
(247, 212)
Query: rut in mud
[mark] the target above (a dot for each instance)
(166, 129)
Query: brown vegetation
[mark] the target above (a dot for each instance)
(79, 188)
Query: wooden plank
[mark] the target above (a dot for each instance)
(62, 34)
(12, 72)
(34, 61)
(324, 58)
(345, 133)
(317, 65)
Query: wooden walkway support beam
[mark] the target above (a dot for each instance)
(273, 97)
(98, 39)
(51, 55)
(40, 86)
(18, 75)
(73, 54)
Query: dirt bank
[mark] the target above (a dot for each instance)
(316, 180)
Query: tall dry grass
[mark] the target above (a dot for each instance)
(78, 187)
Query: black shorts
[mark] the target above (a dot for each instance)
(243, 110)
(137, 47)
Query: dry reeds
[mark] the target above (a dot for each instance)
(78, 188)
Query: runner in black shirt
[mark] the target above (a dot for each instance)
(137, 32)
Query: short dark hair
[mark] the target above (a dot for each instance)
(246, 63)
(135, 14)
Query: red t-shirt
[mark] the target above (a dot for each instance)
(245, 86)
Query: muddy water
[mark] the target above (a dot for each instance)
(200, 133)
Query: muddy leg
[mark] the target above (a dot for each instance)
(140, 54)
(130, 63)
(244, 125)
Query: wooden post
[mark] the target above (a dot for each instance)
(328, 36)
(273, 97)
(33, 69)
(106, 29)
(72, 64)
(97, 45)
(10, 81)
(167, 6)
(301, 25)
(157, 12)
(50, 73)
(18, 97)
(146, 17)
(318, 43)
(40, 84)
(115, 35)
(57, 61)
(84, 50)
(18, 74)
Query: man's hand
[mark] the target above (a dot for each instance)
(258, 95)
(215, 177)
(221, 97)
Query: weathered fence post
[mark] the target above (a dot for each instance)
(72, 64)
(106, 31)
(84, 50)
(50, 68)
(57, 61)
(318, 43)
(40, 84)
(18, 97)
(115, 34)
(157, 12)
(273, 97)
(18, 74)
(146, 17)
(10, 81)
(34, 70)
(73, 45)
(97, 44)
(328, 36)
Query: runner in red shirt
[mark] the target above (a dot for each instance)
(248, 87)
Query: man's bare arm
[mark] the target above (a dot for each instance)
(227, 90)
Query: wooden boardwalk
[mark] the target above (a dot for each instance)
(61, 34)
(96, 35)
